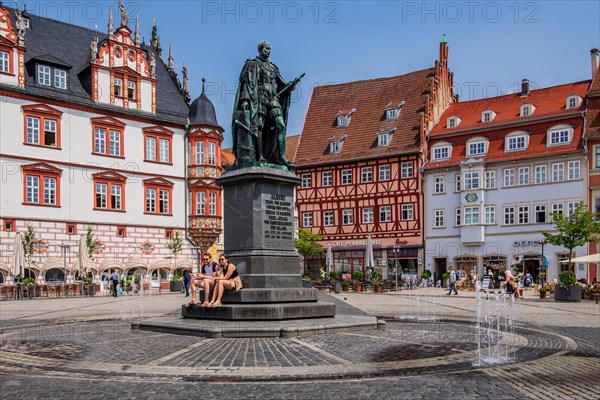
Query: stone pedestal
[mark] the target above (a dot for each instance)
(259, 240)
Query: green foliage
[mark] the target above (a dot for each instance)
(426, 274)
(176, 277)
(542, 290)
(445, 275)
(28, 241)
(137, 279)
(345, 282)
(377, 276)
(566, 279)
(306, 244)
(357, 275)
(574, 231)
(125, 282)
(306, 278)
(175, 244)
(29, 281)
(88, 281)
(333, 274)
(89, 240)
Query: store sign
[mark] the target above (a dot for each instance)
(525, 243)
(471, 197)
(356, 243)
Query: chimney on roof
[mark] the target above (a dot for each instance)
(524, 87)
(594, 53)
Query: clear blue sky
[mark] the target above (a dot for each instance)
(493, 44)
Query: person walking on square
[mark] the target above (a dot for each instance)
(115, 282)
(452, 281)
(186, 281)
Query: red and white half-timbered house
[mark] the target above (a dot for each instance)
(94, 130)
(359, 159)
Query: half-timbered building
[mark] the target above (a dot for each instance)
(94, 132)
(359, 159)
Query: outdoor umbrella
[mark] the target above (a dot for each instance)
(592, 258)
(329, 259)
(369, 259)
(18, 259)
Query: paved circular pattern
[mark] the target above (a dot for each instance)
(405, 348)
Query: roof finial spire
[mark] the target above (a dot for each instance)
(203, 81)
(158, 46)
(110, 23)
(444, 39)
(154, 37)
(137, 31)
(170, 59)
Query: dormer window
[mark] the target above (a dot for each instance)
(477, 147)
(559, 135)
(335, 145)
(343, 120)
(527, 110)
(439, 153)
(573, 102)
(384, 138)
(26, 22)
(452, 122)
(516, 141)
(391, 114)
(51, 76)
(487, 116)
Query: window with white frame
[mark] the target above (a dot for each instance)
(523, 216)
(347, 217)
(367, 215)
(573, 102)
(335, 147)
(343, 120)
(385, 214)
(327, 178)
(150, 148)
(489, 215)
(560, 136)
(383, 139)
(540, 174)
(163, 150)
(407, 170)
(44, 74)
(574, 169)
(131, 90)
(558, 172)
(597, 157)
(441, 153)
(558, 208)
(471, 180)
(457, 216)
(487, 116)
(509, 215)
(327, 218)
(476, 148)
(366, 174)
(4, 62)
(118, 87)
(452, 122)
(307, 219)
(457, 185)
(346, 177)
(509, 177)
(439, 185)
(524, 176)
(200, 203)
(525, 110)
(199, 152)
(306, 181)
(515, 143)
(212, 202)
(212, 153)
(490, 179)
(60, 78)
(385, 173)
(571, 207)
(540, 213)
(392, 113)
(438, 218)
(408, 212)
(471, 215)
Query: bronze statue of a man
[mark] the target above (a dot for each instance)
(260, 112)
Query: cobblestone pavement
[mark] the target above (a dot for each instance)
(50, 351)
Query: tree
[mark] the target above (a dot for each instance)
(574, 231)
(89, 241)
(306, 244)
(175, 245)
(28, 242)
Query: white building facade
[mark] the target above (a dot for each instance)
(497, 169)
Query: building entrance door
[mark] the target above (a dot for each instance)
(440, 267)
(531, 264)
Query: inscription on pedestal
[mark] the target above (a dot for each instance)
(278, 221)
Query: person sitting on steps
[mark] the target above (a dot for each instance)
(229, 281)
(204, 279)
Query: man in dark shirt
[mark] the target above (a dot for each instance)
(204, 279)
(186, 281)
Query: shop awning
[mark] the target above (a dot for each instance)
(592, 258)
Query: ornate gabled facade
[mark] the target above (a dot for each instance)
(359, 159)
(94, 131)
(496, 170)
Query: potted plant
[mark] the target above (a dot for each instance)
(89, 289)
(345, 285)
(333, 275)
(376, 279)
(137, 283)
(306, 281)
(445, 277)
(126, 284)
(175, 284)
(542, 291)
(592, 292)
(567, 290)
(357, 275)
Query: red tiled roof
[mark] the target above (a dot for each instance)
(592, 129)
(227, 157)
(370, 98)
(548, 102)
